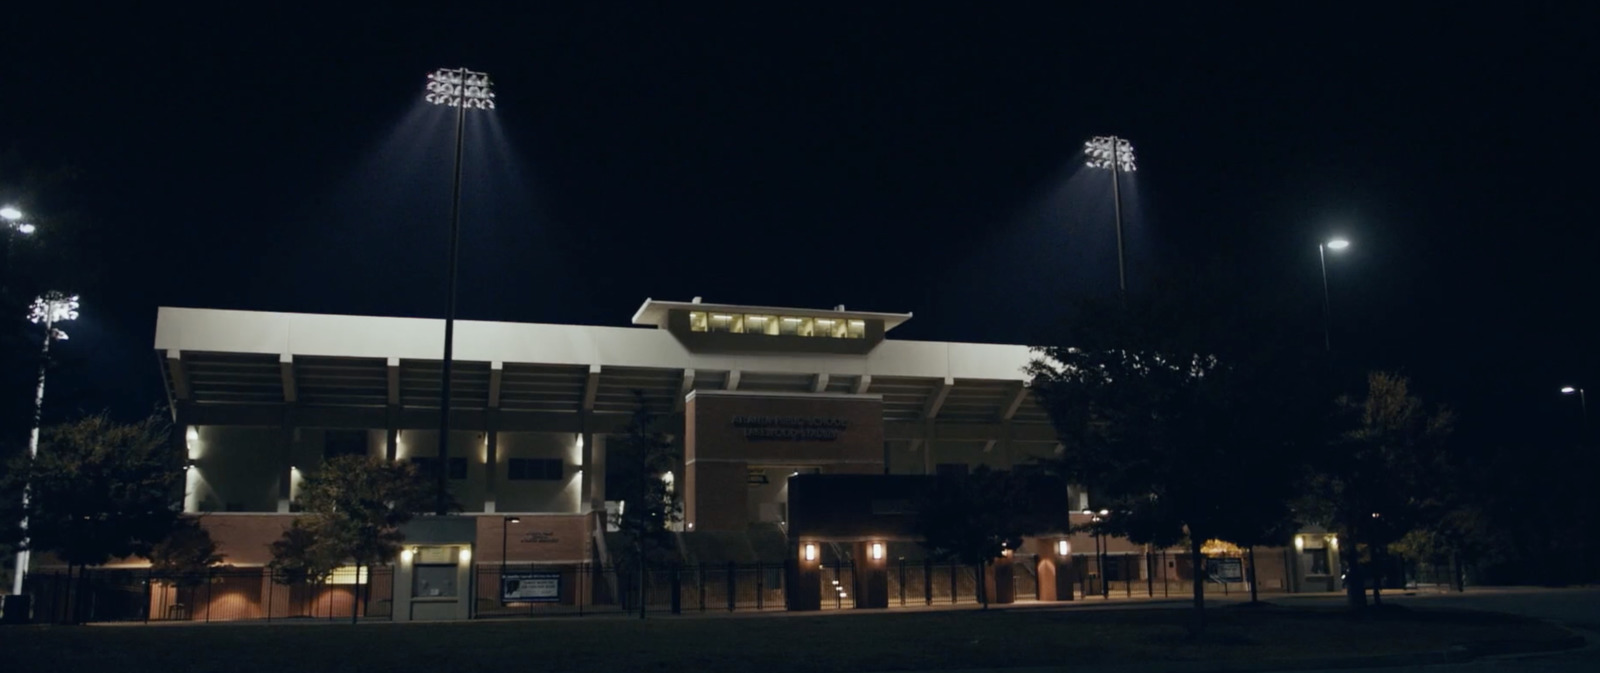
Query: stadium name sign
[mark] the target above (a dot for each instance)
(790, 428)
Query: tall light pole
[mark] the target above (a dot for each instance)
(461, 89)
(1335, 245)
(48, 310)
(1583, 403)
(1116, 155)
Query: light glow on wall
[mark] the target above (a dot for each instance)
(1063, 547)
(876, 551)
(810, 551)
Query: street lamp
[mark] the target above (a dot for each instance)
(461, 89)
(1099, 551)
(48, 310)
(1116, 155)
(1336, 245)
(505, 525)
(1583, 402)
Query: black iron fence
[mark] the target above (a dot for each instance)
(520, 590)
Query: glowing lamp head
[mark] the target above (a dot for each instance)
(23, 228)
(1299, 543)
(1109, 152)
(1337, 244)
(465, 555)
(1063, 547)
(810, 551)
(1568, 390)
(10, 213)
(460, 87)
(876, 551)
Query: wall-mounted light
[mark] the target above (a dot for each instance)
(876, 551)
(810, 551)
(465, 555)
(406, 555)
(1006, 552)
(1333, 541)
(1299, 543)
(1063, 547)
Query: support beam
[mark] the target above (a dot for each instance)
(1018, 396)
(936, 400)
(733, 380)
(683, 389)
(286, 372)
(862, 383)
(820, 383)
(591, 387)
(496, 368)
(180, 376)
(394, 380)
(988, 445)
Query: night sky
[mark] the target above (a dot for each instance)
(906, 157)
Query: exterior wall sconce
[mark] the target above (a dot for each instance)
(1299, 543)
(465, 555)
(1333, 541)
(406, 555)
(1063, 547)
(876, 551)
(810, 552)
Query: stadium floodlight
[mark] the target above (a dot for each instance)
(463, 90)
(1109, 152)
(13, 220)
(10, 213)
(52, 308)
(452, 86)
(1116, 155)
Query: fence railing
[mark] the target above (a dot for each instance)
(237, 594)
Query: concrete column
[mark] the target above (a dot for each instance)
(595, 475)
(391, 448)
(191, 476)
(585, 460)
(491, 461)
(286, 460)
(1055, 576)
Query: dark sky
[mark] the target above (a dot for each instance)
(902, 157)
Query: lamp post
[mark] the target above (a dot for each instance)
(1583, 403)
(48, 310)
(461, 89)
(505, 525)
(1116, 155)
(1099, 551)
(1335, 245)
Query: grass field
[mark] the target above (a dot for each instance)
(767, 644)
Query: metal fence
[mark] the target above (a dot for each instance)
(235, 594)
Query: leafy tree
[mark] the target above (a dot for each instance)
(354, 508)
(976, 518)
(636, 462)
(1376, 485)
(98, 490)
(187, 556)
(1159, 400)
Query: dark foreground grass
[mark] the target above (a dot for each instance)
(767, 644)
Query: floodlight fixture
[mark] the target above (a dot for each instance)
(52, 308)
(460, 87)
(1337, 244)
(10, 213)
(1568, 390)
(1109, 152)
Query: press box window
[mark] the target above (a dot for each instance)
(427, 466)
(727, 322)
(857, 329)
(535, 469)
(697, 321)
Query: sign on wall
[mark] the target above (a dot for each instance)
(1225, 569)
(790, 428)
(530, 588)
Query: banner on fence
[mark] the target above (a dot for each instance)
(530, 588)
(1225, 569)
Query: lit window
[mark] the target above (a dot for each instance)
(722, 322)
(789, 326)
(761, 324)
(697, 321)
(857, 329)
(829, 327)
(808, 327)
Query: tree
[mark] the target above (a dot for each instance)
(98, 490)
(187, 556)
(636, 462)
(1375, 484)
(355, 506)
(1160, 399)
(976, 518)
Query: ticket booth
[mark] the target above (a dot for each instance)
(433, 576)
